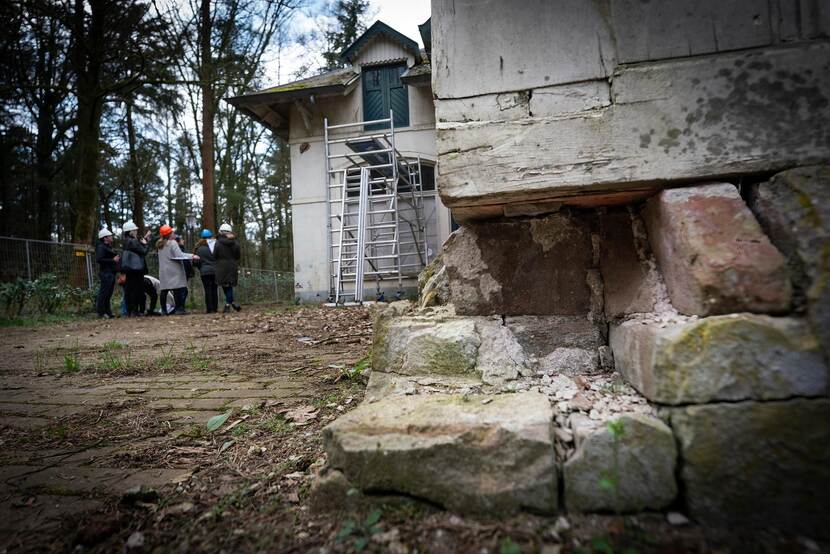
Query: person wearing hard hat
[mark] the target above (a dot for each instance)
(134, 267)
(171, 269)
(227, 254)
(107, 267)
(207, 270)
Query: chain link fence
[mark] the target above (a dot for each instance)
(74, 265)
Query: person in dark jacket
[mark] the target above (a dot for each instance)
(108, 264)
(207, 270)
(227, 254)
(134, 285)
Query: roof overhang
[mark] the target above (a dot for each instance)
(271, 106)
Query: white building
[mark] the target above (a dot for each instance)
(387, 72)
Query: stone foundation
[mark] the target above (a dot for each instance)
(666, 353)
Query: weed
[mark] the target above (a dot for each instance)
(116, 356)
(198, 358)
(166, 360)
(240, 430)
(72, 359)
(361, 533)
(509, 547)
(194, 432)
(355, 374)
(610, 481)
(71, 364)
(41, 360)
(604, 545)
(111, 345)
(58, 432)
(276, 425)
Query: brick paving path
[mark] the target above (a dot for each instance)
(39, 487)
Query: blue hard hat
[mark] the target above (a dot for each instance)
(206, 234)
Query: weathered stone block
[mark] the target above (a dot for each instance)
(733, 357)
(558, 344)
(412, 345)
(452, 450)
(627, 466)
(757, 463)
(794, 209)
(521, 267)
(449, 345)
(627, 284)
(713, 254)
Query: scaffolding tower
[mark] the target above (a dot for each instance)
(375, 208)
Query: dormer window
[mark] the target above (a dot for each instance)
(384, 91)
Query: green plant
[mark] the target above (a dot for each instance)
(240, 430)
(166, 360)
(361, 533)
(355, 373)
(198, 358)
(116, 356)
(610, 480)
(71, 364)
(276, 425)
(509, 547)
(41, 360)
(72, 359)
(48, 294)
(14, 296)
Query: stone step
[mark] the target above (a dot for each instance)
(486, 347)
(470, 454)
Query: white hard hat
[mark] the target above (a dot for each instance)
(129, 226)
(104, 233)
(225, 228)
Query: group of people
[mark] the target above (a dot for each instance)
(216, 258)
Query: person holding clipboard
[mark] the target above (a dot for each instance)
(171, 269)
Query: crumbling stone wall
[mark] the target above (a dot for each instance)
(674, 349)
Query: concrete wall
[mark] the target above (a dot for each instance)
(308, 168)
(540, 103)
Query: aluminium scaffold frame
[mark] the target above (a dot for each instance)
(372, 199)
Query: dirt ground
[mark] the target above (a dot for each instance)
(105, 447)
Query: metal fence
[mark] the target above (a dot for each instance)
(74, 265)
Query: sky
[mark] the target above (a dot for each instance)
(401, 15)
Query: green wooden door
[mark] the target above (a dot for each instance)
(384, 91)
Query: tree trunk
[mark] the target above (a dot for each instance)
(44, 145)
(207, 146)
(87, 59)
(135, 180)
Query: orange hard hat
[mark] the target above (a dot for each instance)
(165, 230)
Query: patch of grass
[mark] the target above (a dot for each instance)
(41, 320)
(72, 359)
(41, 362)
(57, 432)
(197, 358)
(71, 363)
(509, 547)
(111, 345)
(167, 360)
(194, 432)
(240, 430)
(116, 356)
(276, 425)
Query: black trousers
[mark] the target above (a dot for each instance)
(179, 297)
(102, 305)
(211, 293)
(150, 290)
(134, 292)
